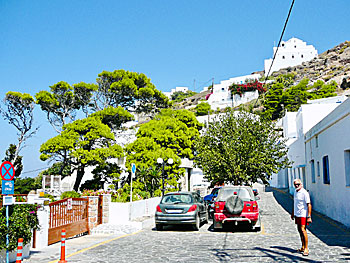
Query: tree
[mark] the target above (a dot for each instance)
(83, 143)
(130, 90)
(15, 160)
(321, 90)
(179, 96)
(294, 96)
(273, 101)
(19, 113)
(240, 148)
(62, 103)
(171, 134)
(202, 109)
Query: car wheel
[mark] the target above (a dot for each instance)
(197, 225)
(206, 218)
(257, 229)
(159, 227)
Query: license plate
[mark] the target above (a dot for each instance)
(170, 211)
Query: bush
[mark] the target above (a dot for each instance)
(70, 194)
(22, 219)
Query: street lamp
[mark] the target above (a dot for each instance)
(161, 161)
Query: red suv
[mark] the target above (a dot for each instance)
(236, 204)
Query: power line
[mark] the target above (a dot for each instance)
(279, 42)
(40, 169)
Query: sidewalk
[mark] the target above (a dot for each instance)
(102, 234)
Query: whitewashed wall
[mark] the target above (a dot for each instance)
(332, 135)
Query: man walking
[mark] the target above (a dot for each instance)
(302, 214)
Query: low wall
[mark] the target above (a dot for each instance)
(124, 212)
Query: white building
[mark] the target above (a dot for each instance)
(319, 149)
(327, 158)
(177, 89)
(221, 95)
(290, 53)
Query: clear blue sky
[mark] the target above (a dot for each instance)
(172, 42)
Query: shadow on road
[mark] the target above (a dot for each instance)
(327, 230)
(276, 254)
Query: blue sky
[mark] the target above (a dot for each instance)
(175, 43)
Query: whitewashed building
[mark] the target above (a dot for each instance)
(318, 147)
(290, 53)
(327, 159)
(221, 95)
(177, 89)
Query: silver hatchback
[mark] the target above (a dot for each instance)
(181, 208)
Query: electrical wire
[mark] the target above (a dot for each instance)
(279, 43)
(40, 169)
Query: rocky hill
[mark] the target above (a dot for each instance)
(334, 64)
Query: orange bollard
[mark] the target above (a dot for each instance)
(63, 247)
(19, 250)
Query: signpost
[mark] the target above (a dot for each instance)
(133, 171)
(7, 172)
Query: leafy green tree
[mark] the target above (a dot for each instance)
(273, 103)
(130, 90)
(86, 142)
(179, 96)
(294, 96)
(63, 101)
(321, 90)
(25, 185)
(171, 134)
(19, 113)
(16, 161)
(240, 148)
(202, 109)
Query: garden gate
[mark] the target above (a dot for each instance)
(70, 214)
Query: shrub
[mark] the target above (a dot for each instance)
(22, 219)
(70, 194)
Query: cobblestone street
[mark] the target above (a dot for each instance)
(277, 241)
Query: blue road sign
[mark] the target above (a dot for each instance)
(133, 168)
(8, 187)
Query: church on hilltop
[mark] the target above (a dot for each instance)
(290, 53)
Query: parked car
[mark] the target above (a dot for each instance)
(236, 204)
(209, 199)
(181, 208)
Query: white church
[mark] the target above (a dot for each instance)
(290, 53)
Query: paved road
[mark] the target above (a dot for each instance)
(277, 241)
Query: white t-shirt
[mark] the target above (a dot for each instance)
(301, 199)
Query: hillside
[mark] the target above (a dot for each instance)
(334, 64)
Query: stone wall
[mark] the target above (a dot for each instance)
(93, 210)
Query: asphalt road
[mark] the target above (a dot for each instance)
(276, 242)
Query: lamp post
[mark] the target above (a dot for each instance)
(162, 162)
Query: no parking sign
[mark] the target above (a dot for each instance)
(7, 172)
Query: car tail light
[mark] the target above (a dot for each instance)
(192, 208)
(255, 207)
(158, 209)
(219, 207)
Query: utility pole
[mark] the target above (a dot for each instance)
(194, 85)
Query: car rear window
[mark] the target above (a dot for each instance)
(177, 198)
(242, 193)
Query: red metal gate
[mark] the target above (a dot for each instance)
(70, 214)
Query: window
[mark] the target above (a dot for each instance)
(347, 167)
(292, 56)
(326, 178)
(282, 45)
(316, 141)
(302, 56)
(223, 89)
(283, 57)
(318, 169)
(295, 46)
(313, 177)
